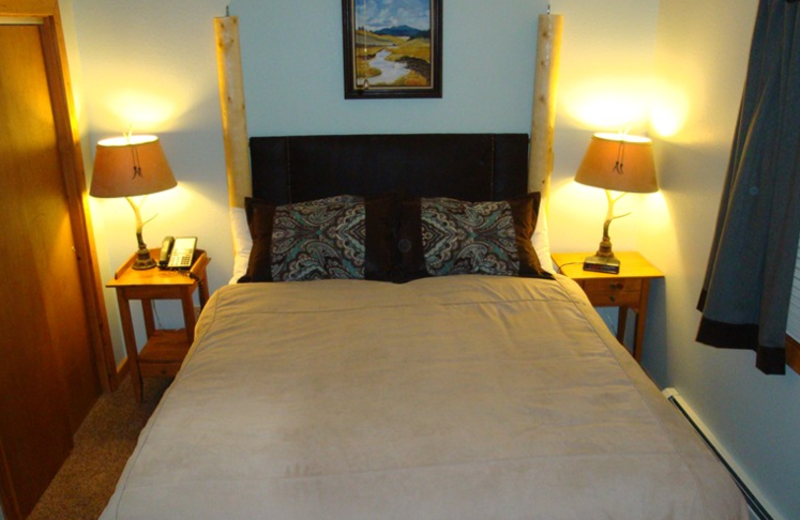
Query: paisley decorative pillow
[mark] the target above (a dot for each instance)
(442, 236)
(326, 238)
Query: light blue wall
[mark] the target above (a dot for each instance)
(292, 57)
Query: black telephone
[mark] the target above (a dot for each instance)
(177, 253)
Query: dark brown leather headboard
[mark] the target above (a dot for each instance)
(470, 167)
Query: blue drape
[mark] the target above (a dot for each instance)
(747, 288)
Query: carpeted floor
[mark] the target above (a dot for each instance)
(103, 444)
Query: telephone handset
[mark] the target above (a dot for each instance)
(177, 253)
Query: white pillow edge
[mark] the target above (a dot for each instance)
(242, 243)
(541, 240)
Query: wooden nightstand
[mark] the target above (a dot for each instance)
(164, 351)
(630, 289)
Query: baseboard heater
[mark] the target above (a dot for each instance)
(756, 505)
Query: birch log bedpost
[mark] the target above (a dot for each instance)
(543, 119)
(234, 118)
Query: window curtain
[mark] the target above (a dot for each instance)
(747, 288)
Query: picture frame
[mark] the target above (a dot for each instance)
(392, 48)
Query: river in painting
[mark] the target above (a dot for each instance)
(391, 71)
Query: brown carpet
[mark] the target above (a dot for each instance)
(105, 440)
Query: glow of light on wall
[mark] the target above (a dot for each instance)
(172, 205)
(670, 110)
(577, 214)
(618, 103)
(118, 221)
(150, 98)
(658, 230)
(177, 199)
(658, 213)
(141, 110)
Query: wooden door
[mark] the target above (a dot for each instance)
(35, 208)
(45, 345)
(49, 331)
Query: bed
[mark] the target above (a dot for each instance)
(405, 394)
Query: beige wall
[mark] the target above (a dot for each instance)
(701, 61)
(150, 66)
(97, 217)
(605, 83)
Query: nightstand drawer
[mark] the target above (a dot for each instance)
(613, 292)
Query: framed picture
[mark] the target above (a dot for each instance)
(392, 48)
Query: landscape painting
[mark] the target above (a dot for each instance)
(392, 48)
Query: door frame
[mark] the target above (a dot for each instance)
(69, 147)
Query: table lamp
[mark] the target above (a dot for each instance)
(618, 162)
(129, 166)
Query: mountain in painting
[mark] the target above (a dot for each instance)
(402, 30)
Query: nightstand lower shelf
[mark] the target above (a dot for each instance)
(163, 353)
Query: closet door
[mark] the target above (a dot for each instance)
(48, 375)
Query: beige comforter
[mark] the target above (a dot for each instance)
(467, 397)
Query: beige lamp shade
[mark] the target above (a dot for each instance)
(129, 166)
(619, 162)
